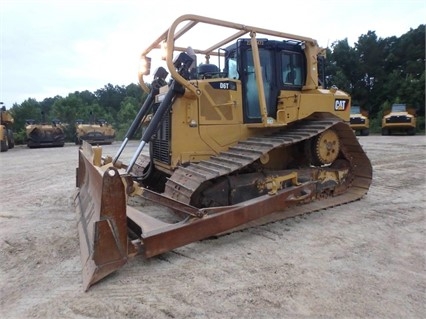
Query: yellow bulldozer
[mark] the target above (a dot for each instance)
(246, 136)
(44, 134)
(7, 140)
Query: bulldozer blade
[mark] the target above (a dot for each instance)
(103, 214)
(219, 220)
(101, 207)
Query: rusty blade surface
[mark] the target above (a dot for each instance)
(100, 204)
(103, 212)
(219, 220)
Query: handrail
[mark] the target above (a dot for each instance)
(172, 34)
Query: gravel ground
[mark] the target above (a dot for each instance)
(361, 260)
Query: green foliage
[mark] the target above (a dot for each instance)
(118, 105)
(29, 109)
(20, 137)
(375, 125)
(421, 124)
(376, 73)
(126, 114)
(378, 70)
(376, 121)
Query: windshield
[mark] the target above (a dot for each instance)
(398, 108)
(355, 109)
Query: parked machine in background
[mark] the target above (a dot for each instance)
(96, 131)
(44, 134)
(359, 120)
(245, 137)
(399, 119)
(7, 140)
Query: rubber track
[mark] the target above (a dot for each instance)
(186, 180)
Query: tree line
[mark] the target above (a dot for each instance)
(379, 72)
(118, 105)
(376, 73)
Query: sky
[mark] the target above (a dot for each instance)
(57, 47)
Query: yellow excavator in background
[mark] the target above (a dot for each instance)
(7, 140)
(245, 137)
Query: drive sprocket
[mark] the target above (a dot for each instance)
(325, 148)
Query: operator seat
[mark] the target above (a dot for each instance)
(207, 71)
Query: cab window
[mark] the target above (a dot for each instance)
(292, 64)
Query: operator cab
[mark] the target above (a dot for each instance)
(283, 68)
(101, 122)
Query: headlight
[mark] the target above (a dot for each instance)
(145, 65)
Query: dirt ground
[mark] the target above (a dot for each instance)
(361, 260)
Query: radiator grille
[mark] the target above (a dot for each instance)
(161, 141)
(398, 119)
(357, 120)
